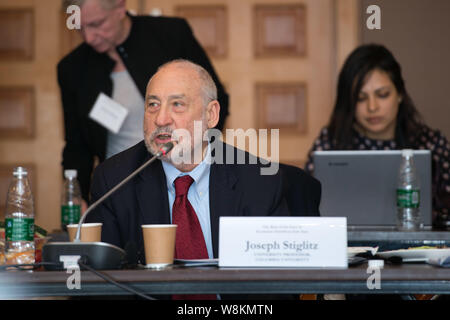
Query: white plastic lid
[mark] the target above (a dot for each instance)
(408, 153)
(156, 12)
(376, 263)
(70, 173)
(20, 171)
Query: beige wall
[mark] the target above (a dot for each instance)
(240, 70)
(417, 31)
(43, 151)
(331, 32)
(418, 34)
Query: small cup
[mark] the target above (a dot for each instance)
(159, 243)
(90, 232)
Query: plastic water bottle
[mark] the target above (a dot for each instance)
(70, 200)
(408, 194)
(19, 220)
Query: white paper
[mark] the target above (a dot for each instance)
(108, 113)
(283, 242)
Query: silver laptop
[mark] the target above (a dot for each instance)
(361, 185)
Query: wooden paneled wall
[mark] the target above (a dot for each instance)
(279, 65)
(33, 38)
(16, 33)
(278, 60)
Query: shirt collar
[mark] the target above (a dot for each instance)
(200, 174)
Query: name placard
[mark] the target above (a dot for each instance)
(283, 242)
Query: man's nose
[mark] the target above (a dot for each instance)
(163, 117)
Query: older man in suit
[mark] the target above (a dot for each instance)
(197, 182)
(192, 193)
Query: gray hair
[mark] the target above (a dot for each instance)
(106, 4)
(208, 87)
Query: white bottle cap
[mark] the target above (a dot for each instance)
(376, 264)
(20, 171)
(156, 12)
(70, 173)
(407, 153)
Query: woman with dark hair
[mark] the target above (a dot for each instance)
(373, 111)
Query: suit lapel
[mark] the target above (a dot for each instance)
(223, 198)
(151, 192)
(153, 203)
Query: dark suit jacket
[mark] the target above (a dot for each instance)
(84, 73)
(235, 190)
(301, 190)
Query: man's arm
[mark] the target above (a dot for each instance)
(302, 191)
(313, 195)
(280, 207)
(104, 213)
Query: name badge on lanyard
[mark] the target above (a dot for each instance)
(109, 113)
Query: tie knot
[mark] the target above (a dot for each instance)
(182, 185)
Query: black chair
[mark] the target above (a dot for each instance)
(301, 190)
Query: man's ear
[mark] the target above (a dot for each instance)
(122, 5)
(212, 113)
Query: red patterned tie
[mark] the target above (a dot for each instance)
(189, 243)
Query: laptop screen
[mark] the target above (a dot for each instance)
(361, 185)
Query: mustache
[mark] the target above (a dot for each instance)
(161, 130)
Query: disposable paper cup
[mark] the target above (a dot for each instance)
(159, 243)
(90, 232)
